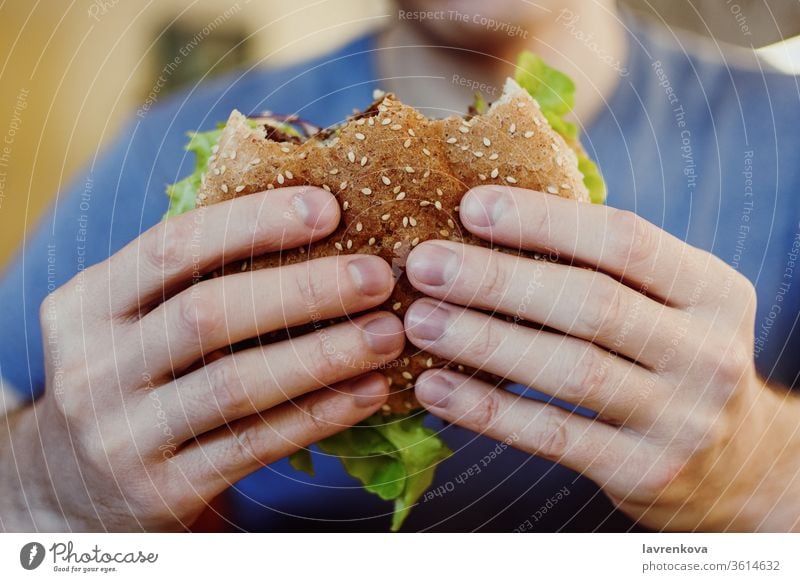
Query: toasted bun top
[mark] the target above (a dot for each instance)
(399, 177)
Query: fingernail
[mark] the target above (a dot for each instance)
(432, 264)
(368, 391)
(434, 390)
(483, 207)
(383, 334)
(369, 275)
(426, 321)
(313, 206)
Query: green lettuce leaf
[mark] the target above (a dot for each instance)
(183, 195)
(555, 93)
(394, 457)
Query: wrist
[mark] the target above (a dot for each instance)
(770, 501)
(27, 501)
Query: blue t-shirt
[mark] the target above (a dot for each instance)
(707, 151)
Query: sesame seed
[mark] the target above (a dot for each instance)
(244, 267)
(528, 134)
(366, 191)
(382, 108)
(566, 186)
(359, 227)
(520, 104)
(439, 192)
(386, 121)
(425, 203)
(239, 188)
(429, 362)
(482, 176)
(351, 156)
(444, 232)
(400, 196)
(397, 305)
(326, 187)
(334, 171)
(371, 121)
(412, 221)
(408, 376)
(338, 246)
(512, 128)
(487, 142)
(411, 132)
(450, 223)
(552, 190)
(463, 129)
(361, 121)
(451, 140)
(494, 156)
(224, 188)
(285, 150)
(464, 147)
(371, 241)
(270, 186)
(363, 161)
(280, 179)
(216, 171)
(386, 217)
(415, 242)
(349, 244)
(426, 151)
(397, 245)
(302, 155)
(495, 173)
(405, 221)
(361, 136)
(386, 408)
(396, 126)
(407, 143)
(511, 179)
(455, 209)
(478, 154)
(346, 205)
(426, 174)
(222, 169)
(396, 189)
(409, 169)
(343, 185)
(386, 180)
(289, 175)
(438, 204)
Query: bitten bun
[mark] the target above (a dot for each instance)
(399, 177)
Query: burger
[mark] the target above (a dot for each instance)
(399, 177)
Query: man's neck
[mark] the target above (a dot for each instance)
(587, 42)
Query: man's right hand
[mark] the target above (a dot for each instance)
(138, 428)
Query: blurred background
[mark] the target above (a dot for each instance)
(72, 71)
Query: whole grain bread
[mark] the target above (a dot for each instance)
(399, 177)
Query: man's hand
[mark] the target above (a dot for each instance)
(139, 428)
(656, 337)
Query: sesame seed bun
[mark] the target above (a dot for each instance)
(399, 177)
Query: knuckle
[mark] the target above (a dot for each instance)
(587, 380)
(485, 413)
(245, 446)
(632, 239)
(199, 312)
(602, 312)
(548, 435)
(537, 227)
(314, 414)
(486, 342)
(229, 395)
(164, 248)
(326, 359)
(495, 282)
(310, 285)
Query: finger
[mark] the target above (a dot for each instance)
(615, 241)
(570, 369)
(257, 379)
(601, 452)
(580, 302)
(220, 458)
(173, 252)
(222, 311)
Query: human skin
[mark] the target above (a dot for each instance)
(143, 421)
(657, 337)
